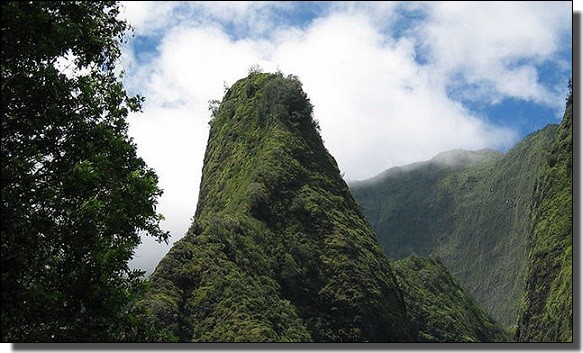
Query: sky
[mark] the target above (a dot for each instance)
(392, 83)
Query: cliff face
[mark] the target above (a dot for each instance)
(546, 313)
(472, 209)
(278, 250)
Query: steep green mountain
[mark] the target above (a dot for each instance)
(278, 249)
(472, 209)
(547, 310)
(439, 309)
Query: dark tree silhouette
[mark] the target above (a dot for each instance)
(75, 195)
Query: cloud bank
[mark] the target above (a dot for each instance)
(389, 82)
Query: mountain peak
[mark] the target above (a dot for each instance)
(278, 250)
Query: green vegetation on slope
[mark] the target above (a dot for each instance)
(278, 250)
(547, 310)
(438, 308)
(474, 215)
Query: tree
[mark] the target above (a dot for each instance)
(75, 195)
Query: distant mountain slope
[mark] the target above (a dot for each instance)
(439, 310)
(547, 310)
(471, 209)
(278, 250)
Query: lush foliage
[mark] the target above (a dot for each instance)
(474, 214)
(278, 250)
(439, 310)
(75, 197)
(547, 310)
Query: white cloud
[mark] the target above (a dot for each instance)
(148, 16)
(496, 44)
(376, 105)
(254, 18)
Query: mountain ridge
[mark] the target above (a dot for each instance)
(457, 158)
(475, 218)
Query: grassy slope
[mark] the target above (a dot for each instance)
(547, 308)
(440, 311)
(278, 250)
(476, 219)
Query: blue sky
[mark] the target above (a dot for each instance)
(392, 82)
